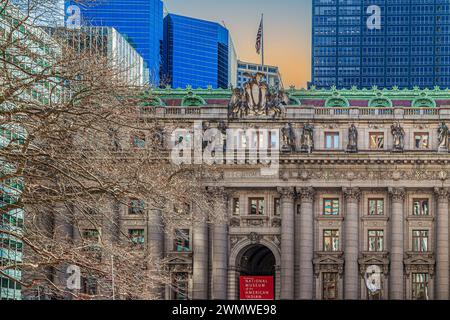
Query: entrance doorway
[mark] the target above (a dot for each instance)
(257, 260)
(257, 273)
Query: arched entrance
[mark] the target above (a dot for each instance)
(257, 260)
(256, 273)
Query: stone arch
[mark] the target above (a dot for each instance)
(192, 100)
(380, 102)
(423, 102)
(241, 248)
(152, 101)
(337, 101)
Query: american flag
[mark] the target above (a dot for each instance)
(259, 37)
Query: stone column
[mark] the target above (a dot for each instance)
(155, 243)
(220, 246)
(351, 244)
(304, 244)
(287, 243)
(396, 280)
(200, 257)
(442, 247)
(233, 284)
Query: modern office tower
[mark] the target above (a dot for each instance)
(384, 43)
(270, 72)
(40, 50)
(197, 53)
(139, 21)
(109, 43)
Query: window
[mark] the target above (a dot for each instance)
(138, 140)
(257, 206)
(376, 207)
(420, 240)
(422, 140)
(89, 286)
(330, 286)
(420, 286)
(376, 240)
(331, 240)
(276, 205)
(236, 207)
(330, 207)
(180, 281)
(91, 235)
(421, 207)
(136, 207)
(376, 141)
(137, 236)
(331, 140)
(181, 242)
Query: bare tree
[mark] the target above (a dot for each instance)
(75, 152)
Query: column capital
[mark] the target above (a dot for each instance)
(287, 193)
(442, 194)
(397, 194)
(306, 194)
(352, 194)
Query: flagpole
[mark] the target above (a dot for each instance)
(262, 46)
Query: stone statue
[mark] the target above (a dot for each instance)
(443, 135)
(288, 138)
(307, 140)
(399, 137)
(256, 99)
(352, 139)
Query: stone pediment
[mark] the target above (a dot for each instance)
(419, 262)
(414, 258)
(180, 259)
(328, 262)
(374, 258)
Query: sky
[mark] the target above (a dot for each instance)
(287, 28)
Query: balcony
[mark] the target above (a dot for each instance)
(304, 113)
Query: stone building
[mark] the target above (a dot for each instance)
(370, 197)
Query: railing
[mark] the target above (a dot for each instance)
(302, 112)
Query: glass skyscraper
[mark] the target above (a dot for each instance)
(139, 21)
(196, 53)
(384, 43)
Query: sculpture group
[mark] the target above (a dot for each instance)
(257, 99)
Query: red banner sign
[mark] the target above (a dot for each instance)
(256, 288)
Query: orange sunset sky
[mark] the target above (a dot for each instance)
(287, 25)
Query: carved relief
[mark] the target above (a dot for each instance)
(397, 194)
(287, 193)
(352, 194)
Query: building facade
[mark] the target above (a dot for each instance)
(107, 42)
(384, 43)
(197, 53)
(353, 205)
(40, 50)
(271, 72)
(139, 21)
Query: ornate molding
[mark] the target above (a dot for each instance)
(254, 237)
(442, 193)
(287, 193)
(352, 194)
(397, 194)
(328, 262)
(419, 262)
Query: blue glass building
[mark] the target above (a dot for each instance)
(384, 43)
(139, 21)
(196, 53)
